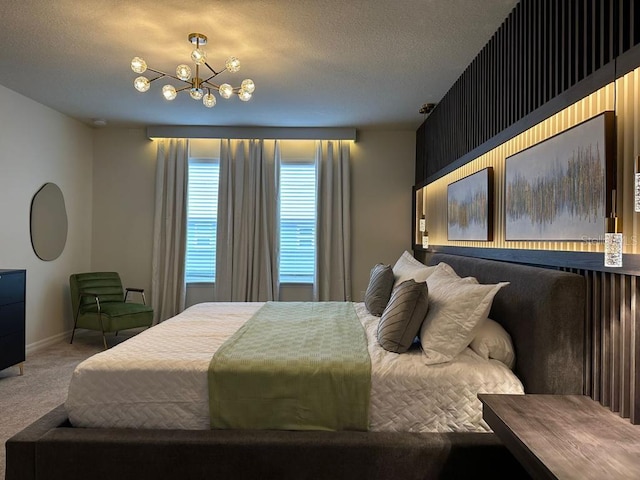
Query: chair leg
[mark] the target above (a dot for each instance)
(75, 324)
(104, 339)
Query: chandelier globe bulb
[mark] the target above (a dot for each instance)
(209, 100)
(138, 65)
(141, 84)
(232, 64)
(225, 90)
(169, 92)
(183, 72)
(248, 86)
(198, 56)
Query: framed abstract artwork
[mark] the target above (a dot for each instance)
(559, 189)
(470, 207)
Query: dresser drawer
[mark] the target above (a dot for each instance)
(12, 287)
(12, 349)
(11, 318)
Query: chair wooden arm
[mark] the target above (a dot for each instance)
(137, 290)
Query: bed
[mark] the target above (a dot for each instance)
(543, 310)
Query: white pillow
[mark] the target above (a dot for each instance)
(493, 341)
(457, 307)
(448, 269)
(408, 268)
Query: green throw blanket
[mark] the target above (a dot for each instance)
(293, 366)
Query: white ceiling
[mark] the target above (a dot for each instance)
(330, 63)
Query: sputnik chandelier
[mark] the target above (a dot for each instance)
(199, 88)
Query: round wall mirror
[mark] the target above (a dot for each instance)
(48, 222)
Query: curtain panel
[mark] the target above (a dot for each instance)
(333, 248)
(169, 229)
(248, 237)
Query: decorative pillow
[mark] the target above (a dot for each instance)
(457, 306)
(493, 341)
(408, 267)
(378, 292)
(403, 316)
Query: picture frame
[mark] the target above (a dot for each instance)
(560, 189)
(470, 207)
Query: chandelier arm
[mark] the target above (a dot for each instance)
(210, 84)
(156, 71)
(182, 89)
(213, 71)
(157, 78)
(209, 79)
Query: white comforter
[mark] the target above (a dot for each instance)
(158, 379)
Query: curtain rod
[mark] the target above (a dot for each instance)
(279, 133)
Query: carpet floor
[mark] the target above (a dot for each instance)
(47, 372)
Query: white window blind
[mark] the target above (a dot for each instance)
(297, 222)
(202, 220)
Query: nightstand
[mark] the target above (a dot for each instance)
(564, 436)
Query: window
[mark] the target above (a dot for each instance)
(297, 222)
(202, 220)
(296, 215)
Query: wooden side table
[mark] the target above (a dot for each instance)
(564, 436)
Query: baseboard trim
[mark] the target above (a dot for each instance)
(46, 342)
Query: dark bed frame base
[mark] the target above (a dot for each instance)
(542, 309)
(50, 449)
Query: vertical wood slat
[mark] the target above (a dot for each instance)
(588, 335)
(596, 337)
(635, 26)
(615, 341)
(512, 68)
(527, 29)
(625, 346)
(605, 350)
(634, 339)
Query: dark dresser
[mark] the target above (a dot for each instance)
(12, 327)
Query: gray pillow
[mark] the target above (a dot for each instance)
(379, 290)
(402, 318)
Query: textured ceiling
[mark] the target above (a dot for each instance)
(332, 63)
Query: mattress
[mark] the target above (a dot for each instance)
(158, 379)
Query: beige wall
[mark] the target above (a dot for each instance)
(123, 205)
(39, 145)
(382, 174)
(124, 170)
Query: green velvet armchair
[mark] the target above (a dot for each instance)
(100, 303)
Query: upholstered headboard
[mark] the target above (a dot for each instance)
(544, 311)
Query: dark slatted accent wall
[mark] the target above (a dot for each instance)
(541, 50)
